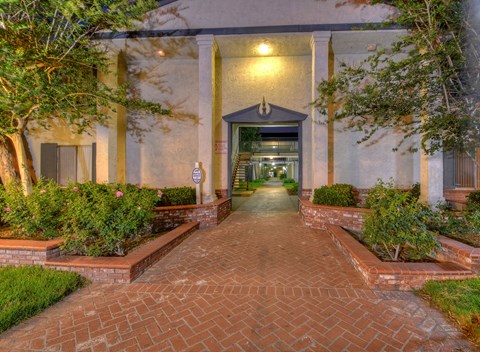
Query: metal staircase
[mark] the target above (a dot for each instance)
(240, 169)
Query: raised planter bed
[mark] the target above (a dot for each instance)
(128, 268)
(97, 269)
(319, 216)
(388, 275)
(206, 215)
(27, 252)
(460, 253)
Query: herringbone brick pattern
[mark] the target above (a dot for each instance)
(258, 282)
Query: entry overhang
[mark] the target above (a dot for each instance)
(276, 114)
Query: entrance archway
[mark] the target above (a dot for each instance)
(265, 114)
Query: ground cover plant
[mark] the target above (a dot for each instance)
(291, 185)
(26, 291)
(459, 300)
(339, 194)
(177, 196)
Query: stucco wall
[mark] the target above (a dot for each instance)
(283, 81)
(162, 152)
(59, 133)
(246, 13)
(362, 164)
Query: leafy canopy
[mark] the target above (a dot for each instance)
(48, 61)
(426, 84)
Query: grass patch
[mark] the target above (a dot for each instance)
(459, 300)
(26, 291)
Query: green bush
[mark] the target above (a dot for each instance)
(283, 176)
(398, 221)
(177, 196)
(473, 199)
(381, 193)
(288, 180)
(100, 218)
(36, 215)
(293, 190)
(338, 194)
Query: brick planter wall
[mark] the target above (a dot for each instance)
(392, 276)
(27, 252)
(123, 269)
(207, 215)
(318, 216)
(457, 195)
(306, 193)
(460, 253)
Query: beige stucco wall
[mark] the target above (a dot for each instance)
(58, 133)
(283, 81)
(247, 13)
(164, 152)
(362, 164)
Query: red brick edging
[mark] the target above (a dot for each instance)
(124, 269)
(207, 215)
(392, 276)
(318, 216)
(460, 253)
(28, 252)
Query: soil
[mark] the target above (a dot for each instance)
(406, 256)
(7, 234)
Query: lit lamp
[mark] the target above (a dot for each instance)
(264, 49)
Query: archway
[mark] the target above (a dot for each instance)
(264, 115)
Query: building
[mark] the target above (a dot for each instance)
(215, 62)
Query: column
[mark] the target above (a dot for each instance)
(431, 178)
(206, 112)
(111, 138)
(320, 44)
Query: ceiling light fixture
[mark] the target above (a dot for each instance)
(264, 49)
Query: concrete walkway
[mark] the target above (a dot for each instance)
(258, 282)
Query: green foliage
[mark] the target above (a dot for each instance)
(292, 188)
(459, 300)
(283, 176)
(288, 180)
(100, 218)
(428, 73)
(48, 62)
(381, 193)
(37, 215)
(473, 199)
(338, 194)
(447, 222)
(415, 191)
(26, 291)
(177, 196)
(398, 221)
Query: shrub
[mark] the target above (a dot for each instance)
(36, 215)
(338, 194)
(415, 191)
(397, 222)
(293, 190)
(283, 176)
(100, 218)
(177, 196)
(473, 199)
(381, 193)
(288, 180)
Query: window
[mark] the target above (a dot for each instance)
(68, 163)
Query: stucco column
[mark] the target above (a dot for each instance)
(320, 44)
(112, 139)
(431, 178)
(206, 112)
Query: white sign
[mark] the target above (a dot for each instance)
(197, 175)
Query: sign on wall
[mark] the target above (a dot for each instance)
(197, 175)
(221, 147)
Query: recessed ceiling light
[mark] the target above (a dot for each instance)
(264, 49)
(161, 53)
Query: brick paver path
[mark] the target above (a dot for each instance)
(258, 282)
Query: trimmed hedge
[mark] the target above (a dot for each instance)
(339, 194)
(177, 196)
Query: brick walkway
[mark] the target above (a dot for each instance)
(257, 282)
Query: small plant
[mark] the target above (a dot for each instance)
(100, 218)
(36, 215)
(338, 195)
(177, 196)
(288, 180)
(381, 193)
(398, 221)
(283, 176)
(473, 199)
(293, 190)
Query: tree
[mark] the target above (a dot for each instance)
(426, 84)
(48, 65)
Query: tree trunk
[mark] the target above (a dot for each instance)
(7, 169)
(19, 146)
